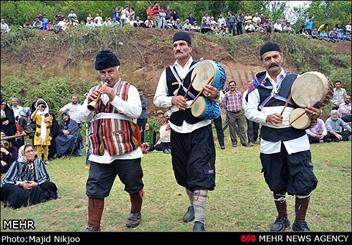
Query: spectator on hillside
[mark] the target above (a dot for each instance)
(256, 20)
(348, 28)
(98, 19)
(124, 16)
(345, 109)
(337, 128)
(191, 19)
(27, 182)
(89, 18)
(338, 96)
(155, 10)
(230, 23)
(187, 26)
(138, 22)
(323, 27)
(37, 24)
(149, 22)
(239, 23)
(72, 16)
(116, 17)
(59, 17)
(45, 23)
(277, 26)
(162, 16)
(315, 33)
(249, 27)
(4, 26)
(132, 14)
(309, 25)
(317, 133)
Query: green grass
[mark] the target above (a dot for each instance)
(241, 200)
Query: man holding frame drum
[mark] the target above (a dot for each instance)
(192, 143)
(285, 151)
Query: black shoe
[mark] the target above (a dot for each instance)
(134, 220)
(198, 227)
(189, 215)
(300, 226)
(222, 147)
(280, 224)
(90, 228)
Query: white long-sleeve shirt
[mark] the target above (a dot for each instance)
(162, 99)
(131, 108)
(253, 114)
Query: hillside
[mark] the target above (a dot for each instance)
(44, 64)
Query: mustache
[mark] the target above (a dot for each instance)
(273, 65)
(178, 52)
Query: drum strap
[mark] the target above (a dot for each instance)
(180, 81)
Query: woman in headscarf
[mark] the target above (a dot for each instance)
(42, 137)
(27, 182)
(8, 154)
(7, 118)
(69, 136)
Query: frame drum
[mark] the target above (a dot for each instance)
(301, 123)
(310, 88)
(205, 109)
(206, 69)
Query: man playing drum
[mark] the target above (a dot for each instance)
(285, 151)
(192, 144)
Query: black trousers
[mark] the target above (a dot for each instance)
(219, 130)
(252, 131)
(193, 158)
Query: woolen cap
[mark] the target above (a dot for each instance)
(182, 36)
(106, 59)
(269, 46)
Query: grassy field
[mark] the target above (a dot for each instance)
(240, 202)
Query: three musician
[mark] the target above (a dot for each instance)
(284, 151)
(113, 106)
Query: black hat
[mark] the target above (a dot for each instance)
(65, 113)
(269, 46)
(106, 59)
(182, 36)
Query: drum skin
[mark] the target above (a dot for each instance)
(205, 109)
(310, 88)
(301, 123)
(206, 69)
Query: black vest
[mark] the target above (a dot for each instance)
(173, 85)
(279, 134)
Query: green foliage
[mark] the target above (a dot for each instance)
(53, 91)
(331, 12)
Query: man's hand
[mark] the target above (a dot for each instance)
(312, 112)
(211, 92)
(3, 163)
(3, 150)
(105, 89)
(274, 119)
(338, 136)
(180, 102)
